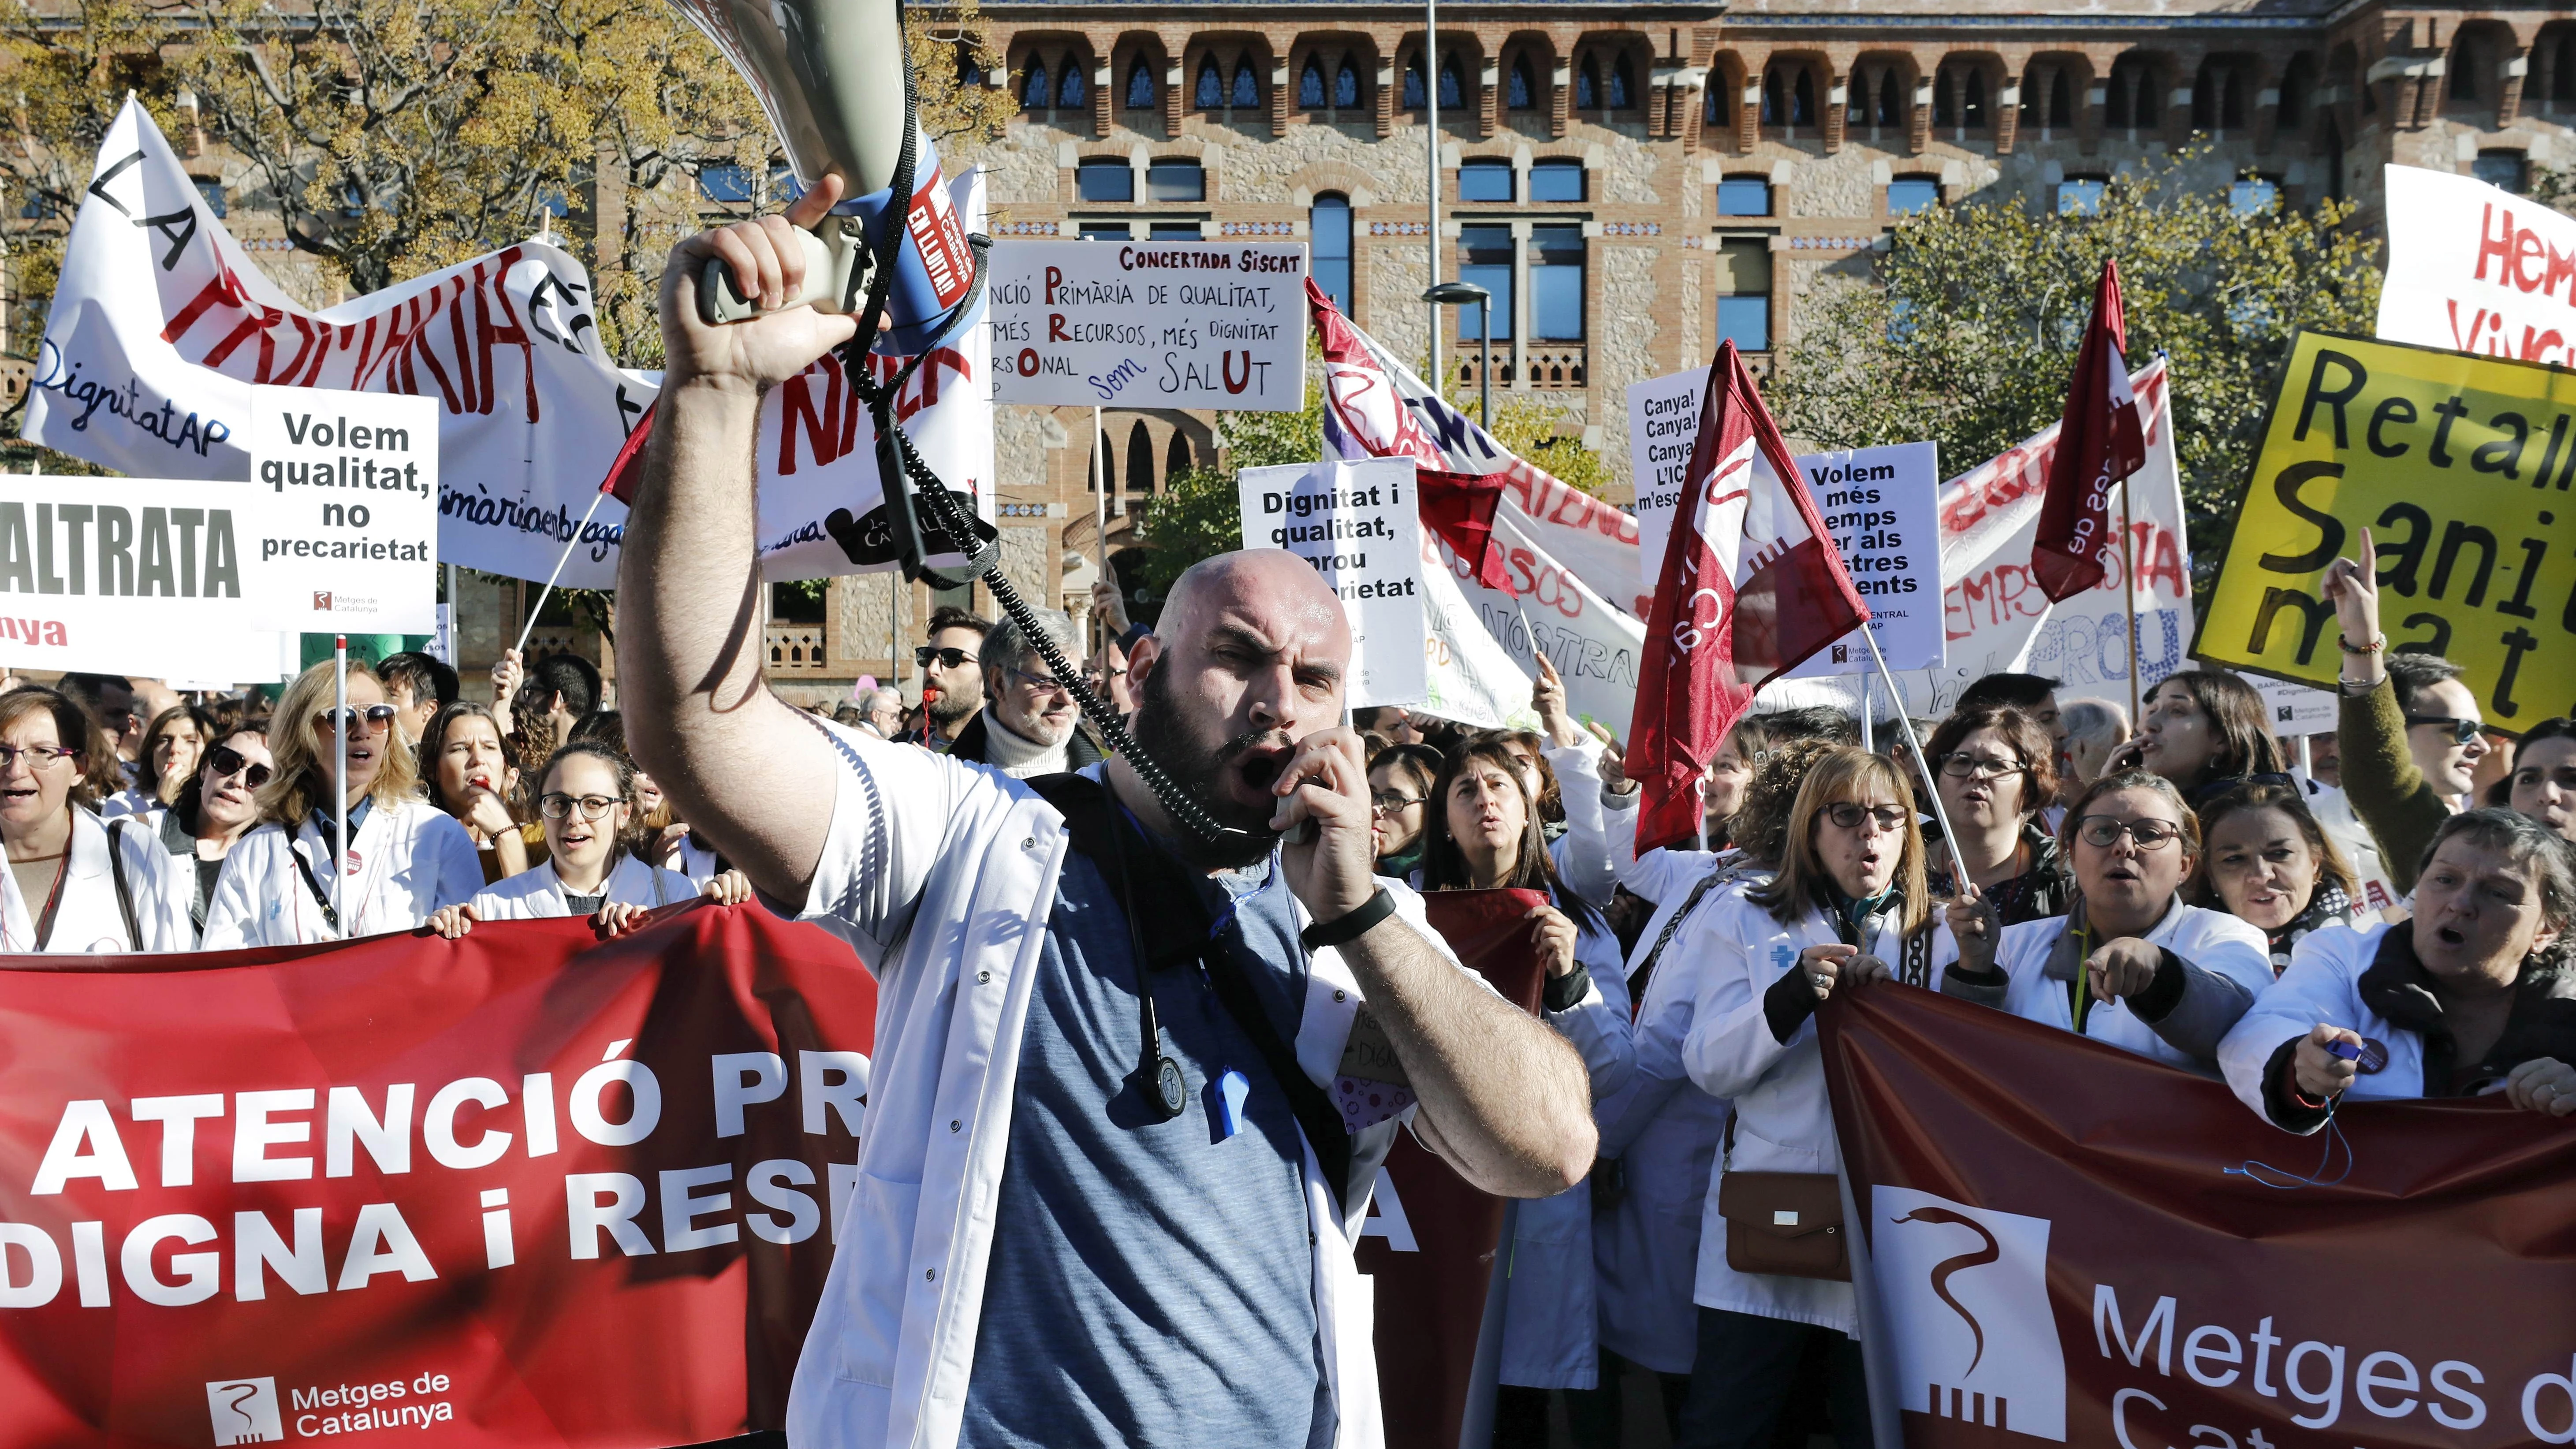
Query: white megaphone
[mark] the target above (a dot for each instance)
(830, 75)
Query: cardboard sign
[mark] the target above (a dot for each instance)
(1358, 524)
(353, 482)
(2460, 466)
(1663, 424)
(2475, 268)
(1161, 324)
(1882, 508)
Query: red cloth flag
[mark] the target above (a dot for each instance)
(628, 471)
(1459, 507)
(1751, 585)
(2099, 442)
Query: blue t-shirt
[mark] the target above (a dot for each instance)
(1151, 1282)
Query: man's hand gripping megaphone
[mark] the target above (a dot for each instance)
(771, 260)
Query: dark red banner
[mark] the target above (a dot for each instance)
(525, 1189)
(2065, 1246)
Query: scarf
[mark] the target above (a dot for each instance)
(2327, 904)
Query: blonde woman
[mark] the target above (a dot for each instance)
(406, 857)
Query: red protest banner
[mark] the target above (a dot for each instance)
(524, 1189)
(1430, 1241)
(2063, 1246)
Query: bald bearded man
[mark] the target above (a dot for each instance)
(1110, 1184)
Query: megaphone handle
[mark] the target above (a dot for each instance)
(826, 277)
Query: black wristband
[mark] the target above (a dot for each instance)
(1351, 927)
(1566, 992)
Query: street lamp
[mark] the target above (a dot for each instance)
(1468, 294)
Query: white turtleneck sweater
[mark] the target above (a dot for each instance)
(1020, 758)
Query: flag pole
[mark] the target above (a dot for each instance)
(340, 777)
(1100, 509)
(564, 558)
(1923, 767)
(2129, 591)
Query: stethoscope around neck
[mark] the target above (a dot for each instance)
(1157, 1078)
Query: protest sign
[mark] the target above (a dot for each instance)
(1164, 324)
(2475, 268)
(2295, 709)
(161, 323)
(1880, 506)
(520, 1189)
(1663, 424)
(1467, 676)
(2062, 1241)
(134, 575)
(1359, 525)
(353, 483)
(2460, 466)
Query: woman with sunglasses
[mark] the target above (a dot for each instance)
(587, 799)
(2130, 963)
(1996, 769)
(1483, 834)
(214, 810)
(171, 746)
(76, 885)
(406, 856)
(466, 764)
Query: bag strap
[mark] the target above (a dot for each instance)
(1645, 972)
(1091, 821)
(116, 870)
(313, 883)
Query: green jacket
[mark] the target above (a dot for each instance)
(2390, 795)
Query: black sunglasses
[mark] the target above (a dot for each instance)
(227, 762)
(948, 658)
(2462, 730)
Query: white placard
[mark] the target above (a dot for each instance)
(2294, 709)
(1159, 324)
(1881, 506)
(1663, 427)
(354, 477)
(442, 643)
(2475, 268)
(143, 576)
(1359, 525)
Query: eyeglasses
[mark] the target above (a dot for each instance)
(948, 658)
(374, 719)
(2461, 730)
(1961, 766)
(1849, 816)
(2104, 831)
(227, 762)
(1042, 683)
(558, 805)
(38, 756)
(1388, 802)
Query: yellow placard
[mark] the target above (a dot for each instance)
(2460, 467)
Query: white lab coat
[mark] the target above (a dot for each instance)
(1599, 838)
(1550, 1316)
(2323, 985)
(1783, 1122)
(696, 861)
(946, 899)
(133, 800)
(89, 922)
(2214, 941)
(405, 861)
(1665, 1132)
(537, 893)
(2336, 817)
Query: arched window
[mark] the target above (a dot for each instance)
(1106, 451)
(1310, 86)
(1140, 459)
(2115, 97)
(1856, 112)
(1712, 109)
(1802, 99)
(1247, 90)
(1140, 87)
(2148, 104)
(1520, 93)
(1975, 107)
(2562, 75)
(1775, 108)
(1891, 101)
(1587, 92)
(2231, 99)
(1451, 88)
(2204, 98)
(1943, 112)
(1330, 227)
(1177, 460)
(1036, 88)
(2464, 68)
(1413, 87)
(1622, 86)
(1346, 84)
(2061, 100)
(2296, 83)
(970, 71)
(1069, 89)
(1211, 90)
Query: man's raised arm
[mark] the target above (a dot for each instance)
(733, 757)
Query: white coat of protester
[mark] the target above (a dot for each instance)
(946, 879)
(76, 885)
(406, 856)
(586, 796)
(2132, 965)
(1600, 804)
(1484, 835)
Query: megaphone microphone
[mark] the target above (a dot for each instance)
(833, 78)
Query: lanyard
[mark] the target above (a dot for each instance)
(54, 900)
(2078, 996)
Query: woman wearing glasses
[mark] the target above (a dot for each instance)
(1997, 771)
(1400, 781)
(214, 810)
(2129, 963)
(587, 799)
(406, 856)
(76, 885)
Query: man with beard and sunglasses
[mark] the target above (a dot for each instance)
(1124, 1114)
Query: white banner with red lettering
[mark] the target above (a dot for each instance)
(153, 377)
(1994, 616)
(2475, 268)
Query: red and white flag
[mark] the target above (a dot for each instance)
(1751, 585)
(2099, 442)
